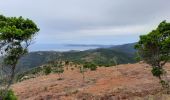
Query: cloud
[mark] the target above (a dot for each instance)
(90, 21)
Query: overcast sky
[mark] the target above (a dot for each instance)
(89, 21)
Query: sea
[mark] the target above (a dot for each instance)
(65, 47)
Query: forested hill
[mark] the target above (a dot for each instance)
(102, 56)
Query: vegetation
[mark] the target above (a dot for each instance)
(58, 68)
(47, 70)
(67, 63)
(122, 54)
(154, 47)
(90, 66)
(85, 67)
(16, 36)
(82, 71)
(51, 67)
(10, 95)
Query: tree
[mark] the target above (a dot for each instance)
(154, 49)
(83, 69)
(16, 34)
(58, 69)
(67, 64)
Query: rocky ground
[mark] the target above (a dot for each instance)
(122, 82)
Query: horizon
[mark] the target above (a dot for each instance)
(102, 22)
(70, 47)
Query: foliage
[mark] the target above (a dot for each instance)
(100, 57)
(82, 71)
(10, 95)
(51, 67)
(137, 57)
(47, 70)
(15, 36)
(157, 71)
(67, 62)
(33, 71)
(154, 48)
(165, 84)
(58, 68)
(90, 66)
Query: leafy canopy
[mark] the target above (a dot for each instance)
(15, 36)
(154, 48)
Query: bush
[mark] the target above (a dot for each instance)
(107, 65)
(47, 70)
(157, 71)
(10, 96)
(93, 67)
(90, 66)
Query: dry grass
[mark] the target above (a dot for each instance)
(123, 82)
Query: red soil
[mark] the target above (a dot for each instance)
(122, 82)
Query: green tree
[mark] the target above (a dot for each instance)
(154, 49)
(16, 34)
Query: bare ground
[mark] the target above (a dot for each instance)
(123, 82)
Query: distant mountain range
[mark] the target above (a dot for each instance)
(101, 56)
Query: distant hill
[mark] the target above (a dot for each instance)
(102, 56)
(126, 48)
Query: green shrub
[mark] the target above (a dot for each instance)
(47, 70)
(10, 96)
(107, 65)
(157, 71)
(93, 67)
(90, 66)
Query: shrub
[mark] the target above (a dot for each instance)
(93, 67)
(47, 70)
(90, 66)
(10, 95)
(157, 71)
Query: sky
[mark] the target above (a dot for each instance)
(107, 22)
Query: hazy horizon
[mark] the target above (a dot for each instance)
(66, 47)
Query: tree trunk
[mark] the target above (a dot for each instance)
(160, 79)
(83, 77)
(10, 80)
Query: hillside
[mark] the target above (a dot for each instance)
(103, 56)
(123, 82)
